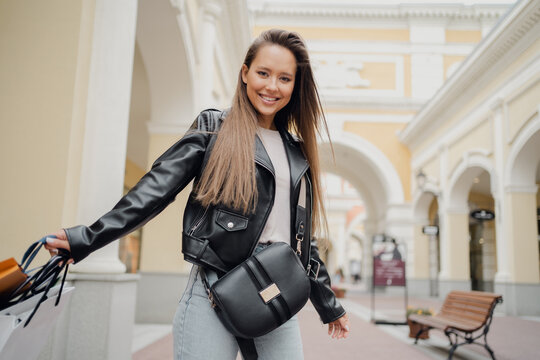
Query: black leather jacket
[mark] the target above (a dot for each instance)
(216, 237)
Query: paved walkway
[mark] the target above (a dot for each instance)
(510, 337)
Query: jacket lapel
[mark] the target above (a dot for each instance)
(298, 164)
(261, 156)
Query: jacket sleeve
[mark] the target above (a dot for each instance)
(322, 297)
(169, 174)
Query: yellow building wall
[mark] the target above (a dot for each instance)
(431, 168)
(481, 95)
(523, 251)
(384, 137)
(162, 236)
(478, 138)
(40, 55)
(132, 174)
(382, 76)
(522, 108)
(420, 265)
(333, 33)
(456, 249)
(463, 36)
(407, 76)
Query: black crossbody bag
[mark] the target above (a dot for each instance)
(264, 291)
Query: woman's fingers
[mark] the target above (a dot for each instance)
(339, 329)
(61, 234)
(58, 243)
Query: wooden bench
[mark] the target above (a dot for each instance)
(465, 316)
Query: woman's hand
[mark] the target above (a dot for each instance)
(61, 242)
(340, 328)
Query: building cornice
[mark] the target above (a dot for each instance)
(505, 43)
(351, 101)
(341, 9)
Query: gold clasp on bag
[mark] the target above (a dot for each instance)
(211, 298)
(269, 293)
(299, 239)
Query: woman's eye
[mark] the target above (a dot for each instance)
(285, 79)
(262, 73)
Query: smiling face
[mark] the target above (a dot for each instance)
(270, 81)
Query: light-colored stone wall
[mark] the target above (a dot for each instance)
(44, 65)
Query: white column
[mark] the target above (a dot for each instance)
(106, 126)
(211, 10)
(497, 189)
(341, 244)
(427, 69)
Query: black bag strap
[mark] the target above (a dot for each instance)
(247, 348)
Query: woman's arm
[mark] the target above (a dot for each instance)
(169, 174)
(324, 300)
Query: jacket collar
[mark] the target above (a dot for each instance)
(298, 164)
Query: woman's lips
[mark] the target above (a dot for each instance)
(268, 99)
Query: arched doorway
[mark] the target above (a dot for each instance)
(426, 244)
(375, 179)
(471, 191)
(482, 234)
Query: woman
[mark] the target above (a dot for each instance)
(247, 171)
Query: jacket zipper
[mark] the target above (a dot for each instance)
(198, 222)
(310, 215)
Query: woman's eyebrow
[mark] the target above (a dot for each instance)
(267, 69)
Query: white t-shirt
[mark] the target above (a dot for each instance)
(278, 225)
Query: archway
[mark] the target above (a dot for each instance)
(473, 248)
(368, 170)
(345, 210)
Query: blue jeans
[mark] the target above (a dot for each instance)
(199, 334)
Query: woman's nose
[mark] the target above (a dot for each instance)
(271, 84)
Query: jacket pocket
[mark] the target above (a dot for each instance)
(231, 221)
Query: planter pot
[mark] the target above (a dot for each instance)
(414, 328)
(340, 293)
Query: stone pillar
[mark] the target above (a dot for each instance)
(521, 292)
(418, 271)
(454, 242)
(370, 227)
(211, 10)
(420, 253)
(106, 127)
(99, 321)
(503, 269)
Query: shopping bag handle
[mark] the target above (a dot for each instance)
(32, 251)
(44, 278)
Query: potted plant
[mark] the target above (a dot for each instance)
(414, 328)
(339, 291)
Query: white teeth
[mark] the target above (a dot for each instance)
(268, 98)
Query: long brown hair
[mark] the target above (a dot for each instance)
(229, 176)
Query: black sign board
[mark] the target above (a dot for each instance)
(483, 215)
(430, 230)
